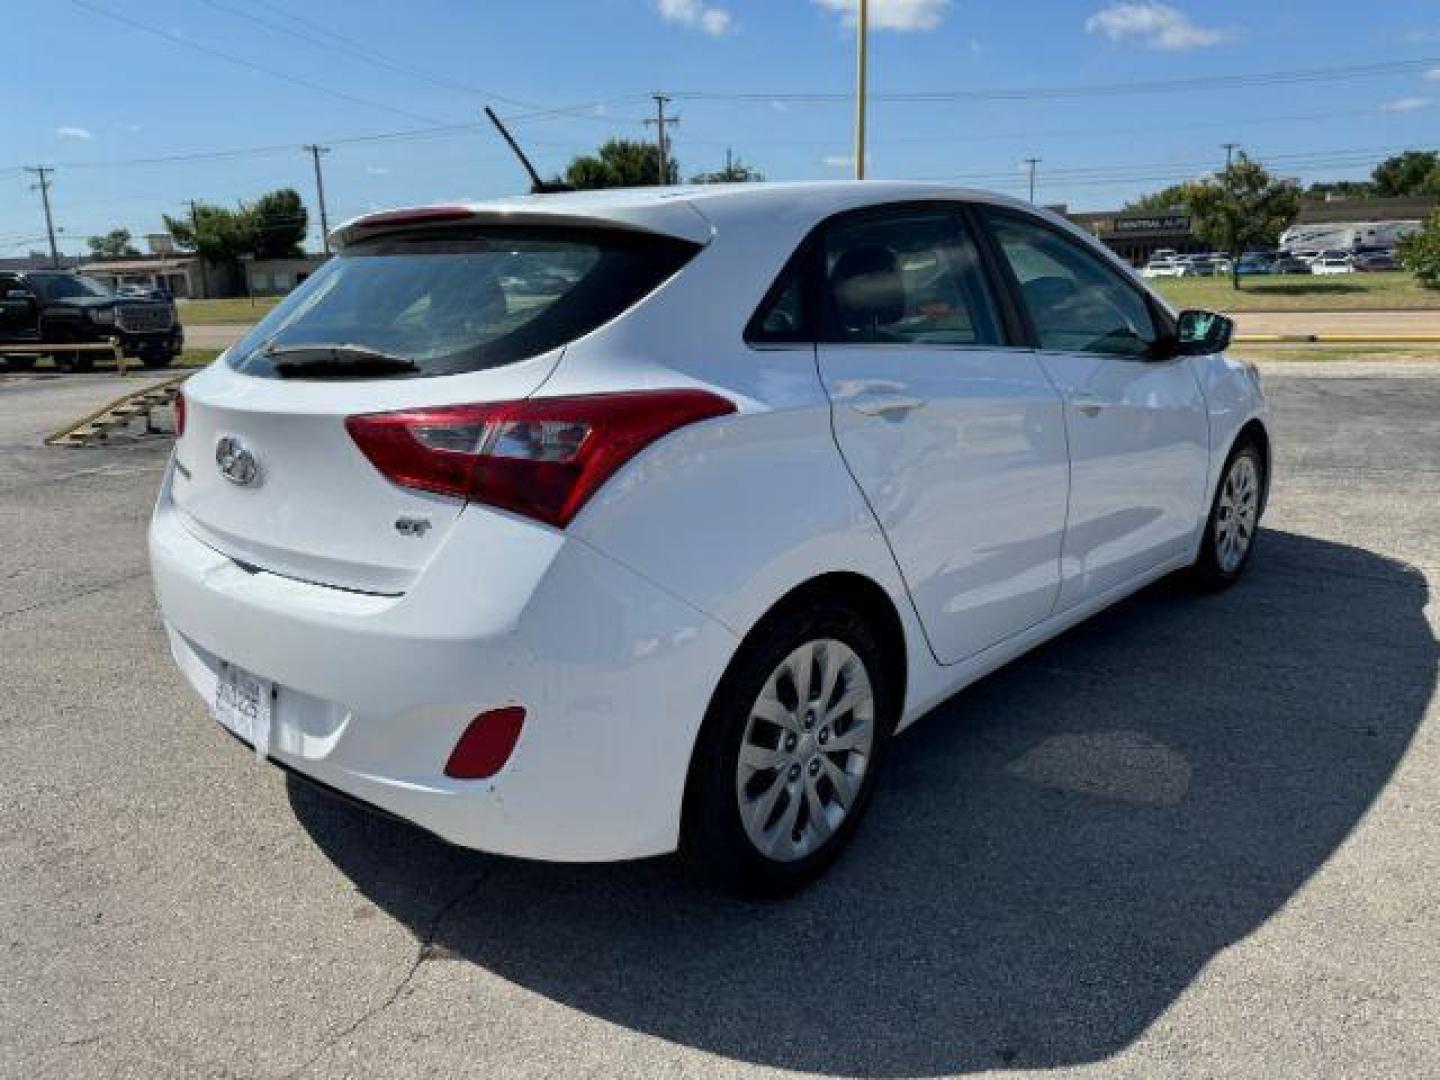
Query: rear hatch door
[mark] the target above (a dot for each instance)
(458, 312)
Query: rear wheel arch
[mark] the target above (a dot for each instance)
(853, 590)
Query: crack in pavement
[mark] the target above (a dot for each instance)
(424, 951)
(78, 594)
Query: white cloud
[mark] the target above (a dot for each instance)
(377, 170)
(1407, 104)
(696, 14)
(892, 14)
(844, 161)
(1433, 75)
(1154, 25)
(75, 134)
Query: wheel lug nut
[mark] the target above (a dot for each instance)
(824, 735)
(815, 766)
(790, 741)
(794, 772)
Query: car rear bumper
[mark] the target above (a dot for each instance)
(615, 675)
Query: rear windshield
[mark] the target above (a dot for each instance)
(465, 302)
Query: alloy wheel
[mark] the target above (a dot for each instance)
(807, 744)
(1237, 513)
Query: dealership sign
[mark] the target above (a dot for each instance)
(1154, 223)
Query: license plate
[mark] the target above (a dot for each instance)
(243, 703)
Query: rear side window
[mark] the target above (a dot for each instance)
(466, 301)
(908, 276)
(1075, 301)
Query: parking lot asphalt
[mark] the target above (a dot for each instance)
(1197, 836)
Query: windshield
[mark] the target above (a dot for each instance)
(472, 300)
(65, 286)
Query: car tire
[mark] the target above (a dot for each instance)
(19, 363)
(1234, 523)
(780, 780)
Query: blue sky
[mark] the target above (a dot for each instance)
(90, 94)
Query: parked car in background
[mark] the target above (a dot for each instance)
(1164, 268)
(1375, 262)
(1251, 264)
(1289, 264)
(662, 559)
(1332, 264)
(56, 307)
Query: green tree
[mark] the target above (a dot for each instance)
(1420, 253)
(1171, 198)
(217, 234)
(113, 245)
(270, 228)
(278, 223)
(735, 172)
(619, 163)
(1242, 207)
(1415, 172)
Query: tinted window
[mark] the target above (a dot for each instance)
(67, 286)
(783, 316)
(907, 276)
(1076, 302)
(475, 300)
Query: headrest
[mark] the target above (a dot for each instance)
(868, 288)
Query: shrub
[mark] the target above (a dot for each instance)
(1420, 254)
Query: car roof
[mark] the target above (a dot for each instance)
(685, 211)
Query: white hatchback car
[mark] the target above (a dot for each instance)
(594, 526)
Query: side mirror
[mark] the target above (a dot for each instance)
(1202, 333)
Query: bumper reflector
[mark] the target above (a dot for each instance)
(486, 744)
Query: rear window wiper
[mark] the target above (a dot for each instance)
(339, 358)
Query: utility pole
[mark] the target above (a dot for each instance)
(862, 36)
(199, 258)
(1229, 149)
(315, 152)
(1032, 162)
(43, 185)
(661, 138)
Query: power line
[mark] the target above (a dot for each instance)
(326, 37)
(242, 62)
(1038, 93)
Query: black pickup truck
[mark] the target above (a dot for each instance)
(54, 307)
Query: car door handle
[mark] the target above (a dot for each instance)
(885, 404)
(1088, 404)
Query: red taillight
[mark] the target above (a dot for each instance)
(179, 413)
(486, 744)
(542, 457)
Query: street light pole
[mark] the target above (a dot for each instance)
(862, 34)
(1229, 149)
(1032, 162)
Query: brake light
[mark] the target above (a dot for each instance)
(179, 413)
(541, 457)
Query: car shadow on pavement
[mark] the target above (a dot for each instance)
(1052, 857)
